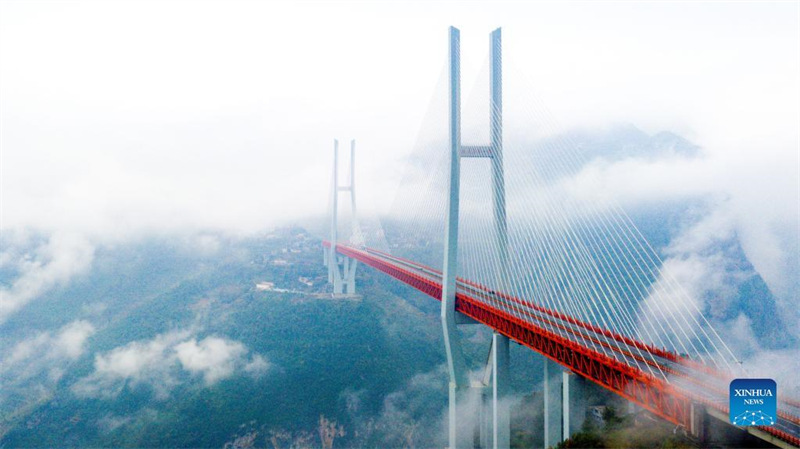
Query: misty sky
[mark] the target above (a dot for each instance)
(121, 117)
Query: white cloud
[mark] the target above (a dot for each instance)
(257, 366)
(67, 344)
(633, 181)
(214, 357)
(181, 129)
(708, 278)
(715, 227)
(159, 362)
(31, 368)
(667, 312)
(781, 365)
(186, 129)
(54, 262)
(745, 211)
(216, 139)
(71, 340)
(138, 362)
(111, 422)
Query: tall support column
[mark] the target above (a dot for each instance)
(698, 422)
(574, 407)
(564, 408)
(346, 264)
(485, 419)
(501, 435)
(552, 403)
(350, 275)
(455, 359)
(565, 392)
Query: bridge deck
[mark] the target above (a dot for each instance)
(668, 387)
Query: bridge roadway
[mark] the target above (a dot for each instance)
(662, 382)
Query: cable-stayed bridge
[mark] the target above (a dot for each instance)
(569, 277)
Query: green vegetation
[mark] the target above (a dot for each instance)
(626, 432)
(364, 372)
(335, 358)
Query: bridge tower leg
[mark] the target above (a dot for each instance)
(552, 395)
(458, 436)
(564, 408)
(350, 268)
(333, 265)
(698, 422)
(456, 368)
(573, 412)
(501, 420)
(341, 269)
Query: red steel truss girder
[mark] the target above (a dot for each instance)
(635, 385)
(561, 316)
(621, 338)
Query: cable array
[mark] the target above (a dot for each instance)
(576, 264)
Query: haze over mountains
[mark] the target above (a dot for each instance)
(196, 339)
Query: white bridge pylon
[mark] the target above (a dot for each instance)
(490, 423)
(460, 435)
(341, 269)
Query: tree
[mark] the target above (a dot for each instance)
(328, 431)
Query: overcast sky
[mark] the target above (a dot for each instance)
(121, 117)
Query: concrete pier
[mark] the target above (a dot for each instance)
(564, 407)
